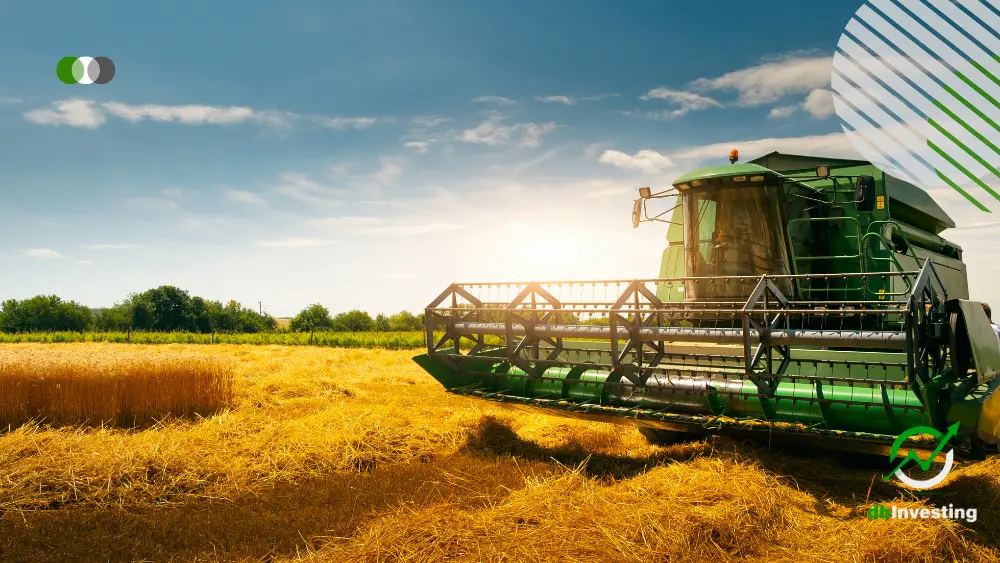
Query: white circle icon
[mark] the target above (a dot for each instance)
(933, 481)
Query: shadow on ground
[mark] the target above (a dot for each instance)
(494, 437)
(975, 491)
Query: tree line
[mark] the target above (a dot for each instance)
(171, 309)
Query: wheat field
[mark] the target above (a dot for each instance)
(61, 387)
(330, 454)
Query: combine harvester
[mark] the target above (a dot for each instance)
(803, 300)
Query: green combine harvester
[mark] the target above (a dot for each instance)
(801, 299)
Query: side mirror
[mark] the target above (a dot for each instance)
(864, 193)
(636, 209)
(823, 171)
(645, 193)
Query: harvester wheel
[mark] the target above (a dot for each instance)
(663, 437)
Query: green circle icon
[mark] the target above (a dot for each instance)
(85, 70)
(64, 70)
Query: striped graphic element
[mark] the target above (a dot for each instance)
(85, 70)
(917, 88)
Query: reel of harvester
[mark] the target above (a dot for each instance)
(846, 360)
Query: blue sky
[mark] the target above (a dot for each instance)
(364, 155)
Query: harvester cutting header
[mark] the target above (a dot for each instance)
(809, 299)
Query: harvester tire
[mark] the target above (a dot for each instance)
(661, 437)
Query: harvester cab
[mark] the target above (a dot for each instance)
(809, 300)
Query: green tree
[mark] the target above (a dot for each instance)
(117, 318)
(248, 320)
(234, 317)
(201, 314)
(164, 309)
(43, 313)
(405, 321)
(311, 319)
(221, 322)
(353, 321)
(381, 323)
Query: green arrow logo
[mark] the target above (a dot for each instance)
(925, 464)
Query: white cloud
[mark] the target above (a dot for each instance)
(662, 115)
(489, 132)
(419, 146)
(72, 112)
(89, 114)
(42, 253)
(652, 163)
(819, 103)
(771, 80)
(494, 99)
(520, 167)
(556, 99)
(834, 145)
(688, 101)
(430, 121)
(114, 246)
(6, 100)
(494, 132)
(764, 83)
(782, 111)
(341, 123)
(190, 114)
(390, 169)
(646, 161)
(84, 262)
(243, 196)
(296, 243)
(533, 133)
(600, 96)
(174, 192)
(591, 150)
(300, 187)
